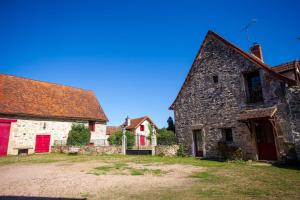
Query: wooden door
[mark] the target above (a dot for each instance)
(198, 143)
(42, 143)
(4, 138)
(142, 140)
(265, 141)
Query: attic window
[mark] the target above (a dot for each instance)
(254, 92)
(215, 79)
(92, 126)
(142, 128)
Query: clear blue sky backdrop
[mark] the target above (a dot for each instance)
(134, 54)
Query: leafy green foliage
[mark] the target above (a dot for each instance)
(171, 126)
(166, 137)
(230, 152)
(182, 151)
(149, 137)
(79, 135)
(116, 138)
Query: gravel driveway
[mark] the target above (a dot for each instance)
(75, 180)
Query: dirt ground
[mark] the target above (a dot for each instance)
(65, 179)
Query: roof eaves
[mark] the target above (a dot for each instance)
(255, 60)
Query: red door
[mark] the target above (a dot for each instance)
(42, 143)
(4, 137)
(142, 140)
(265, 141)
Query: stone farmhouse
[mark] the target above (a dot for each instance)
(34, 115)
(231, 96)
(139, 127)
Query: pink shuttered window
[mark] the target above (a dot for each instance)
(92, 126)
(142, 128)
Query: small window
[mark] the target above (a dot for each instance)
(216, 79)
(254, 87)
(92, 126)
(227, 135)
(142, 128)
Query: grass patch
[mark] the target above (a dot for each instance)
(125, 169)
(205, 176)
(137, 172)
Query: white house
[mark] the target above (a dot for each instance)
(34, 115)
(141, 129)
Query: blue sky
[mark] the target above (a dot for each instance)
(134, 54)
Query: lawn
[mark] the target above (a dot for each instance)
(145, 177)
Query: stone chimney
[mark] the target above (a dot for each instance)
(257, 51)
(127, 121)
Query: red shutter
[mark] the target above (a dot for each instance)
(142, 140)
(142, 128)
(42, 143)
(92, 126)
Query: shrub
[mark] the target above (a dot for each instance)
(166, 137)
(116, 138)
(182, 151)
(230, 152)
(79, 135)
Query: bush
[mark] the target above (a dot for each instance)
(230, 152)
(116, 138)
(182, 151)
(79, 135)
(166, 137)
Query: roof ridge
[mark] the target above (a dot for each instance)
(31, 79)
(248, 56)
(286, 63)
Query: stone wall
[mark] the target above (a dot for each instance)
(293, 96)
(89, 150)
(209, 106)
(165, 150)
(23, 132)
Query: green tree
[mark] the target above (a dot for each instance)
(171, 126)
(166, 137)
(79, 135)
(116, 138)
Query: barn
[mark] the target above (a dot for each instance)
(34, 115)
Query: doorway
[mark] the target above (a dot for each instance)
(198, 143)
(4, 138)
(266, 146)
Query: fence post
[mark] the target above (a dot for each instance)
(124, 141)
(153, 140)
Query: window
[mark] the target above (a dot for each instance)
(142, 128)
(92, 126)
(215, 79)
(227, 135)
(254, 87)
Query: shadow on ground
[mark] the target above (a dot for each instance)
(36, 198)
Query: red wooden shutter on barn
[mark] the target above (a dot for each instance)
(42, 143)
(92, 126)
(4, 137)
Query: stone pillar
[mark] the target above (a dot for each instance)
(124, 141)
(153, 140)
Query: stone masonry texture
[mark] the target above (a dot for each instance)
(209, 106)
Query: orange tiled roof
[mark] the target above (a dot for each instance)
(135, 123)
(112, 129)
(27, 97)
